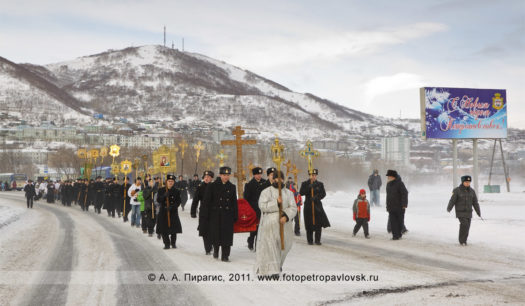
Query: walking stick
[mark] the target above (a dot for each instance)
(168, 206)
(281, 226)
(313, 204)
(124, 204)
(85, 198)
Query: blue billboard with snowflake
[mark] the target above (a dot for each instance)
(457, 113)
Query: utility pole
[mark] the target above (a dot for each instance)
(164, 36)
(183, 44)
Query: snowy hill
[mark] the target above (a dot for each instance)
(28, 96)
(181, 88)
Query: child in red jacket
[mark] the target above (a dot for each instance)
(361, 213)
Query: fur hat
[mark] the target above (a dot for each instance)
(225, 170)
(466, 178)
(270, 170)
(391, 173)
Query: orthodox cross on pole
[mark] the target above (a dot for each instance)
(198, 147)
(239, 142)
(221, 157)
(183, 145)
(309, 154)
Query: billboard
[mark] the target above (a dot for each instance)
(456, 113)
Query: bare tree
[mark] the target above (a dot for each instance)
(65, 161)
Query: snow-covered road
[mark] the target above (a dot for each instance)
(54, 255)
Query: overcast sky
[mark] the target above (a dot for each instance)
(367, 55)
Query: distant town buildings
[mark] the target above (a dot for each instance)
(396, 149)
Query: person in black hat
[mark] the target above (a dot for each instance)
(168, 223)
(193, 184)
(252, 191)
(315, 218)
(50, 196)
(30, 193)
(149, 215)
(204, 214)
(82, 197)
(269, 177)
(464, 199)
(220, 200)
(99, 190)
(182, 186)
(396, 203)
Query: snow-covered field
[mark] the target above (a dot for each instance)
(426, 267)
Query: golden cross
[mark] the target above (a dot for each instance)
(239, 142)
(183, 145)
(277, 153)
(221, 157)
(198, 147)
(309, 154)
(209, 164)
(288, 165)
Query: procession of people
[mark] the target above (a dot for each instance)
(275, 205)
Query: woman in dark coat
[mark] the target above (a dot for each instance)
(168, 223)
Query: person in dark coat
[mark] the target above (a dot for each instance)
(396, 203)
(464, 199)
(68, 192)
(98, 191)
(125, 199)
(91, 194)
(182, 186)
(168, 218)
(76, 191)
(252, 191)
(149, 216)
(62, 192)
(220, 200)
(30, 193)
(204, 216)
(315, 218)
(50, 197)
(374, 184)
(193, 185)
(115, 198)
(83, 187)
(109, 204)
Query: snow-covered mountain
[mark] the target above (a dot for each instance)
(28, 96)
(182, 88)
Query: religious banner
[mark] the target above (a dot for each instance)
(456, 113)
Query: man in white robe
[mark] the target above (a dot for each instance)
(269, 256)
